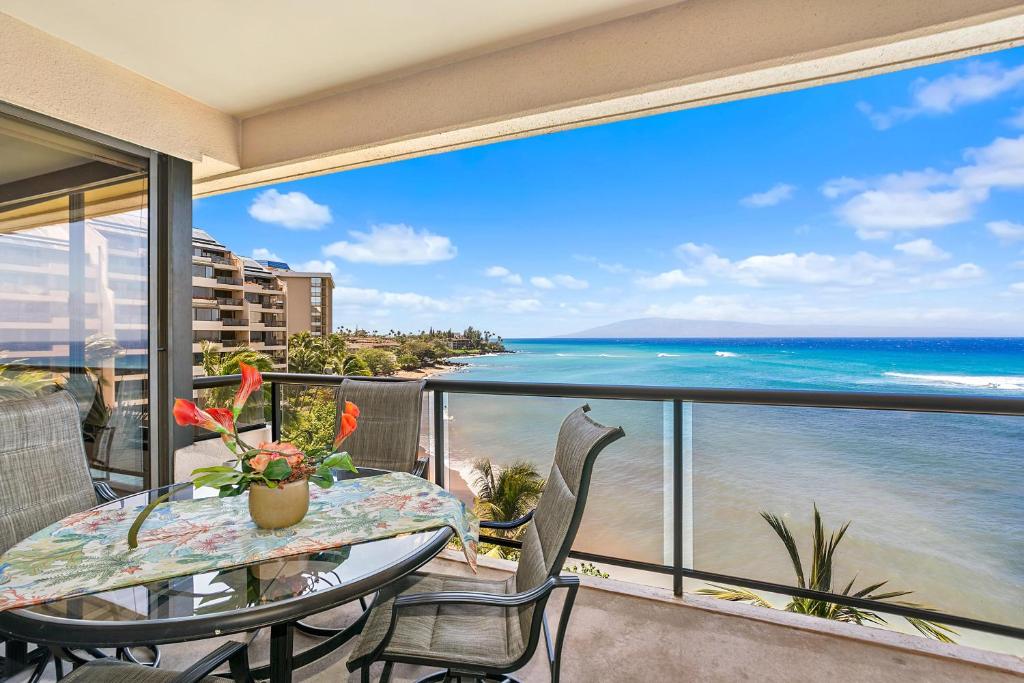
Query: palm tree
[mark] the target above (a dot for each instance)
(216, 362)
(820, 579)
(506, 495)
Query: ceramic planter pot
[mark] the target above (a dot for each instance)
(279, 507)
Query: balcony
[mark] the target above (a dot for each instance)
(235, 322)
(648, 617)
(229, 281)
(230, 303)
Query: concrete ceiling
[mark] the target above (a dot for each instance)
(247, 56)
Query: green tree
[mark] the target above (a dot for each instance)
(216, 363)
(505, 495)
(821, 579)
(309, 417)
(380, 362)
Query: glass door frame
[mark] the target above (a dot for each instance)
(169, 210)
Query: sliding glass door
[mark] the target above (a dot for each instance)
(75, 288)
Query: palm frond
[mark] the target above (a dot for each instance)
(735, 595)
(780, 528)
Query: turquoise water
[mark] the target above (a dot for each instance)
(936, 501)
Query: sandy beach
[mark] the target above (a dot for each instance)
(429, 371)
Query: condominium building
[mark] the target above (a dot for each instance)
(237, 301)
(309, 303)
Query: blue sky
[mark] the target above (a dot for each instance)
(896, 200)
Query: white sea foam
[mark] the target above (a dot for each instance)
(726, 354)
(669, 355)
(1004, 383)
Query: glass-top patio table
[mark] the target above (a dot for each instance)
(275, 593)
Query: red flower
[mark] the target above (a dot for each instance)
(275, 450)
(187, 414)
(351, 409)
(348, 425)
(251, 381)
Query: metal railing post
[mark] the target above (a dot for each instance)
(439, 423)
(677, 497)
(275, 411)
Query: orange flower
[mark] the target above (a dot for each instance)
(348, 425)
(351, 409)
(260, 461)
(251, 381)
(186, 414)
(288, 451)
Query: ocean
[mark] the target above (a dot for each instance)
(936, 502)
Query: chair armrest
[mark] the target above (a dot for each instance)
(104, 494)
(514, 524)
(420, 468)
(234, 651)
(489, 599)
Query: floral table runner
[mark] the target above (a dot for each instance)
(88, 552)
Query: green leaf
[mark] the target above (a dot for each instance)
(218, 479)
(323, 477)
(216, 468)
(341, 461)
(277, 470)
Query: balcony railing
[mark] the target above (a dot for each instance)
(229, 281)
(679, 402)
(229, 302)
(235, 322)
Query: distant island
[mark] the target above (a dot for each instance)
(679, 328)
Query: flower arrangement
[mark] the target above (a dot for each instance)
(269, 464)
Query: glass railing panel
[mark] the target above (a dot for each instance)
(628, 513)
(933, 500)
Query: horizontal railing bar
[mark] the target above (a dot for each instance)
(936, 403)
(848, 600)
(205, 436)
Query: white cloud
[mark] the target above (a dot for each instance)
(976, 82)
(523, 305)
(360, 297)
(957, 276)
(393, 245)
(263, 254)
(613, 268)
(293, 210)
(778, 193)
(1006, 231)
(929, 199)
(670, 279)
(506, 275)
(570, 282)
(315, 266)
(542, 282)
(857, 269)
(1017, 288)
(923, 249)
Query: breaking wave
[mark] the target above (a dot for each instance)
(1003, 383)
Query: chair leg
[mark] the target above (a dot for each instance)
(385, 675)
(563, 623)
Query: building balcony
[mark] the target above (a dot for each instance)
(229, 282)
(230, 303)
(235, 322)
(648, 617)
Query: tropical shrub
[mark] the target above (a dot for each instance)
(821, 579)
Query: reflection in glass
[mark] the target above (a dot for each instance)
(74, 289)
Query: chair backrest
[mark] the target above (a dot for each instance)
(388, 435)
(549, 537)
(43, 472)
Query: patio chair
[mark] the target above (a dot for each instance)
(388, 436)
(482, 629)
(114, 671)
(45, 478)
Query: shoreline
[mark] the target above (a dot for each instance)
(429, 371)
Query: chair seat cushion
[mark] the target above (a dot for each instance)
(467, 634)
(114, 671)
